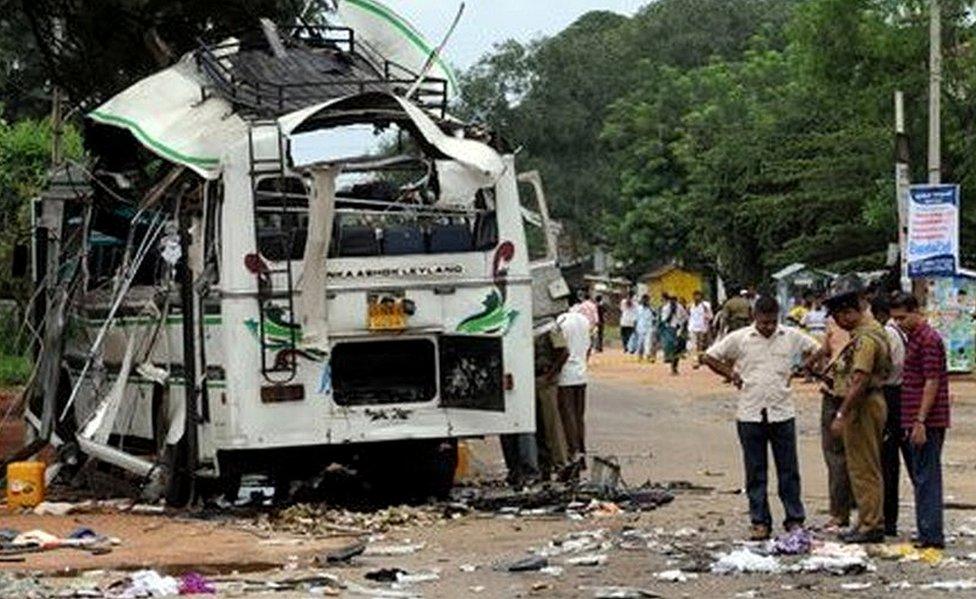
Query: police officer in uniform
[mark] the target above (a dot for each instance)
(858, 377)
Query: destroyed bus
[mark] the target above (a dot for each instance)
(282, 254)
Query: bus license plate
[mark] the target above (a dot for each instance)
(385, 313)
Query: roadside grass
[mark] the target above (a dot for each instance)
(14, 370)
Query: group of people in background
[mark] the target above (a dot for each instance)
(885, 400)
(646, 331)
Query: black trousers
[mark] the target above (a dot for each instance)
(894, 448)
(757, 439)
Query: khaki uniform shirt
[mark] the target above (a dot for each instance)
(866, 352)
(548, 342)
(737, 312)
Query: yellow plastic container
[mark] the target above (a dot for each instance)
(25, 484)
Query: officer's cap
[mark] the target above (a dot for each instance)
(845, 293)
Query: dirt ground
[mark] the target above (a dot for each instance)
(661, 428)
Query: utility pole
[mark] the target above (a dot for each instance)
(935, 87)
(902, 183)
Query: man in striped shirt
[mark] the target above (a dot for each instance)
(924, 414)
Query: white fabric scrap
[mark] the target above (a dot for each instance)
(834, 565)
(149, 583)
(743, 561)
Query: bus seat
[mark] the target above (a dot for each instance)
(401, 240)
(450, 238)
(357, 240)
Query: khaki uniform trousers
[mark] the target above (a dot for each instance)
(862, 447)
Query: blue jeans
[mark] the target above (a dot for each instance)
(756, 438)
(926, 465)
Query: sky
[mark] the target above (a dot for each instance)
(487, 22)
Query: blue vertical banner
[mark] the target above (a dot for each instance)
(932, 249)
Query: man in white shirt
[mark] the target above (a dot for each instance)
(628, 319)
(893, 442)
(572, 381)
(699, 323)
(758, 360)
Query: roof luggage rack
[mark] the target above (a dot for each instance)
(321, 63)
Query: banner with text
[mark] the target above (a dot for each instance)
(933, 230)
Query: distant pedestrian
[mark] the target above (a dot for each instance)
(757, 360)
(699, 324)
(645, 324)
(587, 307)
(738, 311)
(674, 318)
(894, 447)
(815, 320)
(572, 382)
(859, 374)
(628, 319)
(924, 415)
(601, 322)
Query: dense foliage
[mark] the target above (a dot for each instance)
(741, 140)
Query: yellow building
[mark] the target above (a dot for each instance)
(673, 280)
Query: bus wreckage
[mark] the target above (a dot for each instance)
(283, 254)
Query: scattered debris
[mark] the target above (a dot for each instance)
(343, 554)
(675, 576)
(308, 519)
(622, 593)
(467, 567)
(18, 587)
(150, 583)
(743, 561)
(406, 578)
(838, 566)
(393, 550)
(530, 564)
(384, 575)
(554, 571)
(856, 586)
(909, 553)
(797, 542)
(951, 585)
(193, 583)
(593, 559)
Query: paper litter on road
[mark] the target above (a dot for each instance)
(951, 585)
(392, 550)
(592, 559)
(406, 578)
(675, 576)
(743, 561)
(552, 570)
(622, 593)
(856, 586)
(839, 566)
